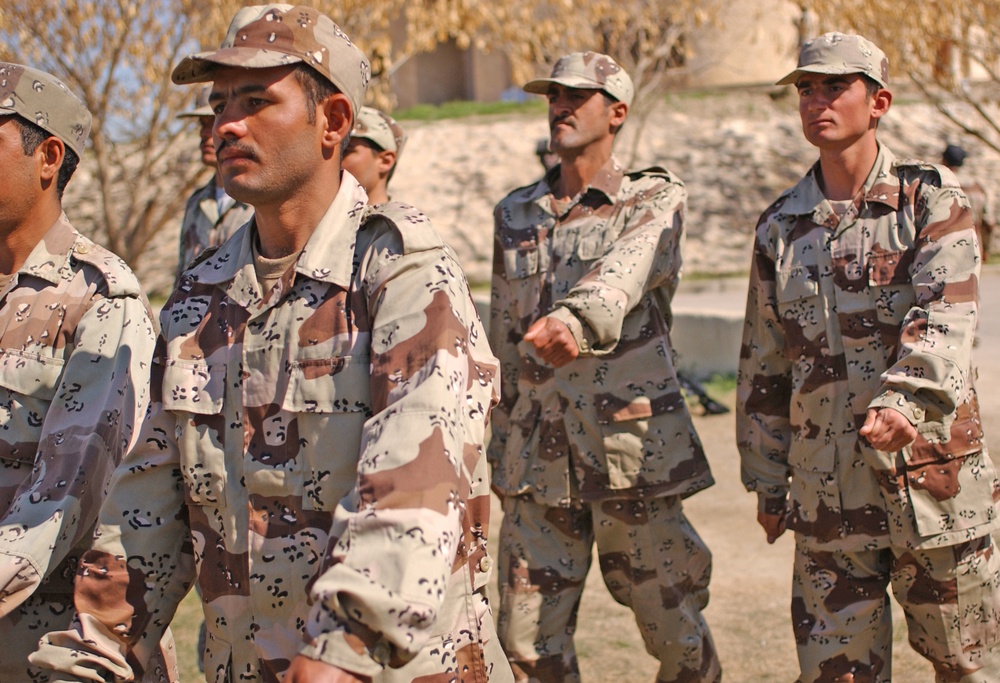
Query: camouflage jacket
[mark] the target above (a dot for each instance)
(877, 309)
(612, 423)
(76, 337)
(203, 227)
(318, 449)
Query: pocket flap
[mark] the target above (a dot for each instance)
(193, 386)
(889, 267)
(30, 375)
(612, 409)
(795, 284)
(520, 263)
(341, 384)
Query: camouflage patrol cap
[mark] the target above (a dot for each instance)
(201, 105)
(380, 128)
(264, 36)
(840, 53)
(587, 70)
(44, 100)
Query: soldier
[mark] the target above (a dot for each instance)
(373, 152)
(592, 441)
(211, 216)
(979, 200)
(318, 408)
(75, 346)
(857, 419)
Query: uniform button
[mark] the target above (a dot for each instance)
(83, 249)
(486, 564)
(380, 653)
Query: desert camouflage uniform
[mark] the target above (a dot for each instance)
(605, 445)
(876, 309)
(76, 339)
(319, 451)
(203, 227)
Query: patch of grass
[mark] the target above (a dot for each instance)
(720, 384)
(187, 621)
(463, 109)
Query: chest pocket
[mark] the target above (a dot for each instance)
(520, 263)
(331, 400)
(801, 313)
(194, 391)
(891, 287)
(30, 382)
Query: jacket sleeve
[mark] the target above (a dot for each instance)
(101, 395)
(930, 374)
(645, 255)
(141, 565)
(395, 544)
(763, 427)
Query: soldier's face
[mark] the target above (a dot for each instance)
(367, 163)
(267, 150)
(207, 146)
(579, 117)
(21, 184)
(836, 110)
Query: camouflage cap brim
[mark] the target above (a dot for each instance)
(587, 71)
(196, 113)
(43, 100)
(840, 54)
(540, 86)
(200, 67)
(265, 36)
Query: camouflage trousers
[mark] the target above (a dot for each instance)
(38, 615)
(652, 561)
(950, 596)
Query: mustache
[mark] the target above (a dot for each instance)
(237, 146)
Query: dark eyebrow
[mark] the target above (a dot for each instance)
(243, 90)
(834, 78)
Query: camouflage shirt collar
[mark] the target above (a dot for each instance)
(50, 257)
(328, 255)
(882, 186)
(607, 181)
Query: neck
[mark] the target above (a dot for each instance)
(284, 226)
(844, 171)
(18, 239)
(578, 168)
(378, 194)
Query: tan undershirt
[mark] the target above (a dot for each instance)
(268, 270)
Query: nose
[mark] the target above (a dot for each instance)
(229, 123)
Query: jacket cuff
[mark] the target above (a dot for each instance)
(771, 505)
(902, 403)
(581, 333)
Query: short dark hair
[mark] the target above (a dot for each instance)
(32, 135)
(316, 89)
(871, 85)
(608, 102)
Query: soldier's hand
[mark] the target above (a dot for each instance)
(306, 670)
(553, 341)
(774, 525)
(887, 429)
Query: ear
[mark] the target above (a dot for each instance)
(619, 111)
(881, 102)
(50, 155)
(337, 120)
(385, 161)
